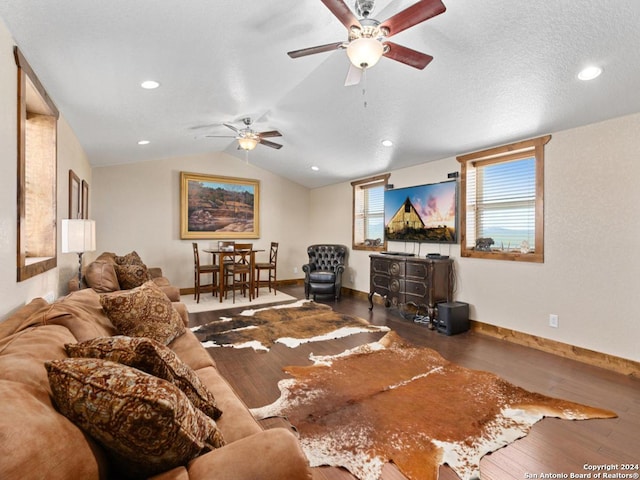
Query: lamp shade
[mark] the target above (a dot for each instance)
(78, 236)
(365, 52)
(248, 142)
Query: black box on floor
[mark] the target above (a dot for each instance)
(453, 317)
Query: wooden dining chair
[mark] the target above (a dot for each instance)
(203, 269)
(226, 245)
(239, 271)
(270, 267)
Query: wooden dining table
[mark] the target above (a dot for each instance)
(222, 253)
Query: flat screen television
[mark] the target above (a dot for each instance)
(423, 213)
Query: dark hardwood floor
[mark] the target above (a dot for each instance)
(554, 447)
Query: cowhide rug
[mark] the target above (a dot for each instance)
(390, 401)
(291, 325)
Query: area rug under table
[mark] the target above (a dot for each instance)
(209, 303)
(391, 401)
(292, 324)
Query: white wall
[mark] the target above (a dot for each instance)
(590, 274)
(137, 207)
(70, 155)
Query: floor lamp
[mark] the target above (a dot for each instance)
(78, 236)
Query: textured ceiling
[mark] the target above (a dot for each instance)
(503, 70)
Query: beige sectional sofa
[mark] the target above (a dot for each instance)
(39, 442)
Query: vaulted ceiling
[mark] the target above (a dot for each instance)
(503, 70)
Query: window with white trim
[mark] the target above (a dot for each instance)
(502, 202)
(368, 213)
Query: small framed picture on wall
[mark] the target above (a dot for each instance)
(85, 199)
(75, 208)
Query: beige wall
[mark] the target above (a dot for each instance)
(137, 207)
(589, 277)
(590, 274)
(70, 155)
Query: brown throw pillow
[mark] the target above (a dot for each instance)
(106, 257)
(146, 423)
(129, 259)
(153, 358)
(131, 276)
(144, 311)
(102, 277)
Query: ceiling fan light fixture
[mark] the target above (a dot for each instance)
(364, 52)
(589, 73)
(248, 142)
(149, 84)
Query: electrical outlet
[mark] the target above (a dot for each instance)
(553, 320)
(295, 269)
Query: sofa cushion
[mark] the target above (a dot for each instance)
(271, 454)
(153, 358)
(237, 421)
(131, 258)
(35, 440)
(102, 277)
(81, 313)
(191, 351)
(144, 311)
(23, 318)
(147, 424)
(320, 276)
(131, 276)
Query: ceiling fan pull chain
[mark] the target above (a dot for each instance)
(364, 87)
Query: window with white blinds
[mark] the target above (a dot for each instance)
(368, 213)
(502, 201)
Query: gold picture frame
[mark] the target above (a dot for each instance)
(214, 207)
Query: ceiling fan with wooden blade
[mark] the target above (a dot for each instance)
(367, 40)
(248, 138)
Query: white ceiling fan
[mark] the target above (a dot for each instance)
(248, 138)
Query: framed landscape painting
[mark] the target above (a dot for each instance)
(218, 207)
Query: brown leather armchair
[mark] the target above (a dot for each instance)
(323, 273)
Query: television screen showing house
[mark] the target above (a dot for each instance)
(424, 213)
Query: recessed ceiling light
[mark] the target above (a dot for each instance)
(149, 84)
(387, 143)
(590, 73)
(144, 142)
(315, 168)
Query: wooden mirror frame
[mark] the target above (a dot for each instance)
(31, 92)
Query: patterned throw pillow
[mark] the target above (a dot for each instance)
(146, 423)
(153, 358)
(131, 276)
(129, 259)
(144, 311)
